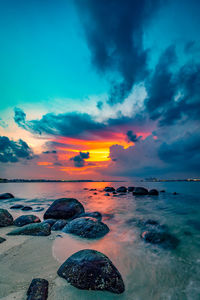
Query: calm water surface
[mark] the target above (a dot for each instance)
(149, 272)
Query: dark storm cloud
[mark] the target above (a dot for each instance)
(132, 137)
(114, 32)
(66, 124)
(79, 160)
(13, 151)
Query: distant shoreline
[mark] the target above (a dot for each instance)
(44, 180)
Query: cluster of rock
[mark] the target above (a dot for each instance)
(137, 191)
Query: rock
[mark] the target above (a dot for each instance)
(2, 240)
(162, 191)
(59, 225)
(5, 218)
(95, 193)
(6, 196)
(85, 189)
(92, 270)
(131, 188)
(36, 229)
(121, 189)
(106, 194)
(38, 209)
(109, 189)
(64, 208)
(27, 208)
(153, 192)
(175, 193)
(26, 219)
(51, 222)
(140, 191)
(95, 214)
(162, 238)
(38, 289)
(17, 206)
(86, 227)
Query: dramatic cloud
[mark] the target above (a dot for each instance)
(79, 160)
(132, 137)
(114, 31)
(13, 151)
(66, 124)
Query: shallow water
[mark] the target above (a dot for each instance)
(149, 272)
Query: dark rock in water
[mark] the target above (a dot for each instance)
(92, 270)
(162, 191)
(59, 225)
(26, 219)
(38, 289)
(162, 238)
(2, 240)
(95, 214)
(106, 194)
(150, 222)
(140, 191)
(6, 196)
(114, 193)
(175, 193)
(17, 206)
(131, 188)
(109, 189)
(64, 208)
(121, 189)
(27, 208)
(85, 189)
(36, 229)
(153, 192)
(51, 222)
(38, 209)
(86, 227)
(93, 189)
(5, 218)
(94, 193)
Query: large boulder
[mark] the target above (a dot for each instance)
(92, 270)
(131, 188)
(59, 225)
(5, 218)
(121, 189)
(51, 222)
(109, 189)
(139, 191)
(26, 219)
(36, 229)
(6, 196)
(153, 192)
(86, 227)
(38, 289)
(64, 208)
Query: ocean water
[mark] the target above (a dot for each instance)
(149, 271)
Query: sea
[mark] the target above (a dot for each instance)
(150, 272)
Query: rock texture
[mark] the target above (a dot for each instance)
(64, 208)
(86, 227)
(139, 191)
(6, 196)
(5, 218)
(26, 219)
(38, 289)
(92, 270)
(38, 229)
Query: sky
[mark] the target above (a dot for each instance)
(101, 90)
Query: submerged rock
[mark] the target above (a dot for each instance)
(2, 240)
(95, 214)
(59, 225)
(106, 194)
(153, 192)
(140, 191)
(64, 208)
(6, 196)
(109, 189)
(86, 227)
(92, 270)
(131, 188)
(17, 206)
(36, 229)
(121, 189)
(37, 209)
(5, 218)
(162, 238)
(38, 289)
(26, 219)
(25, 208)
(162, 191)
